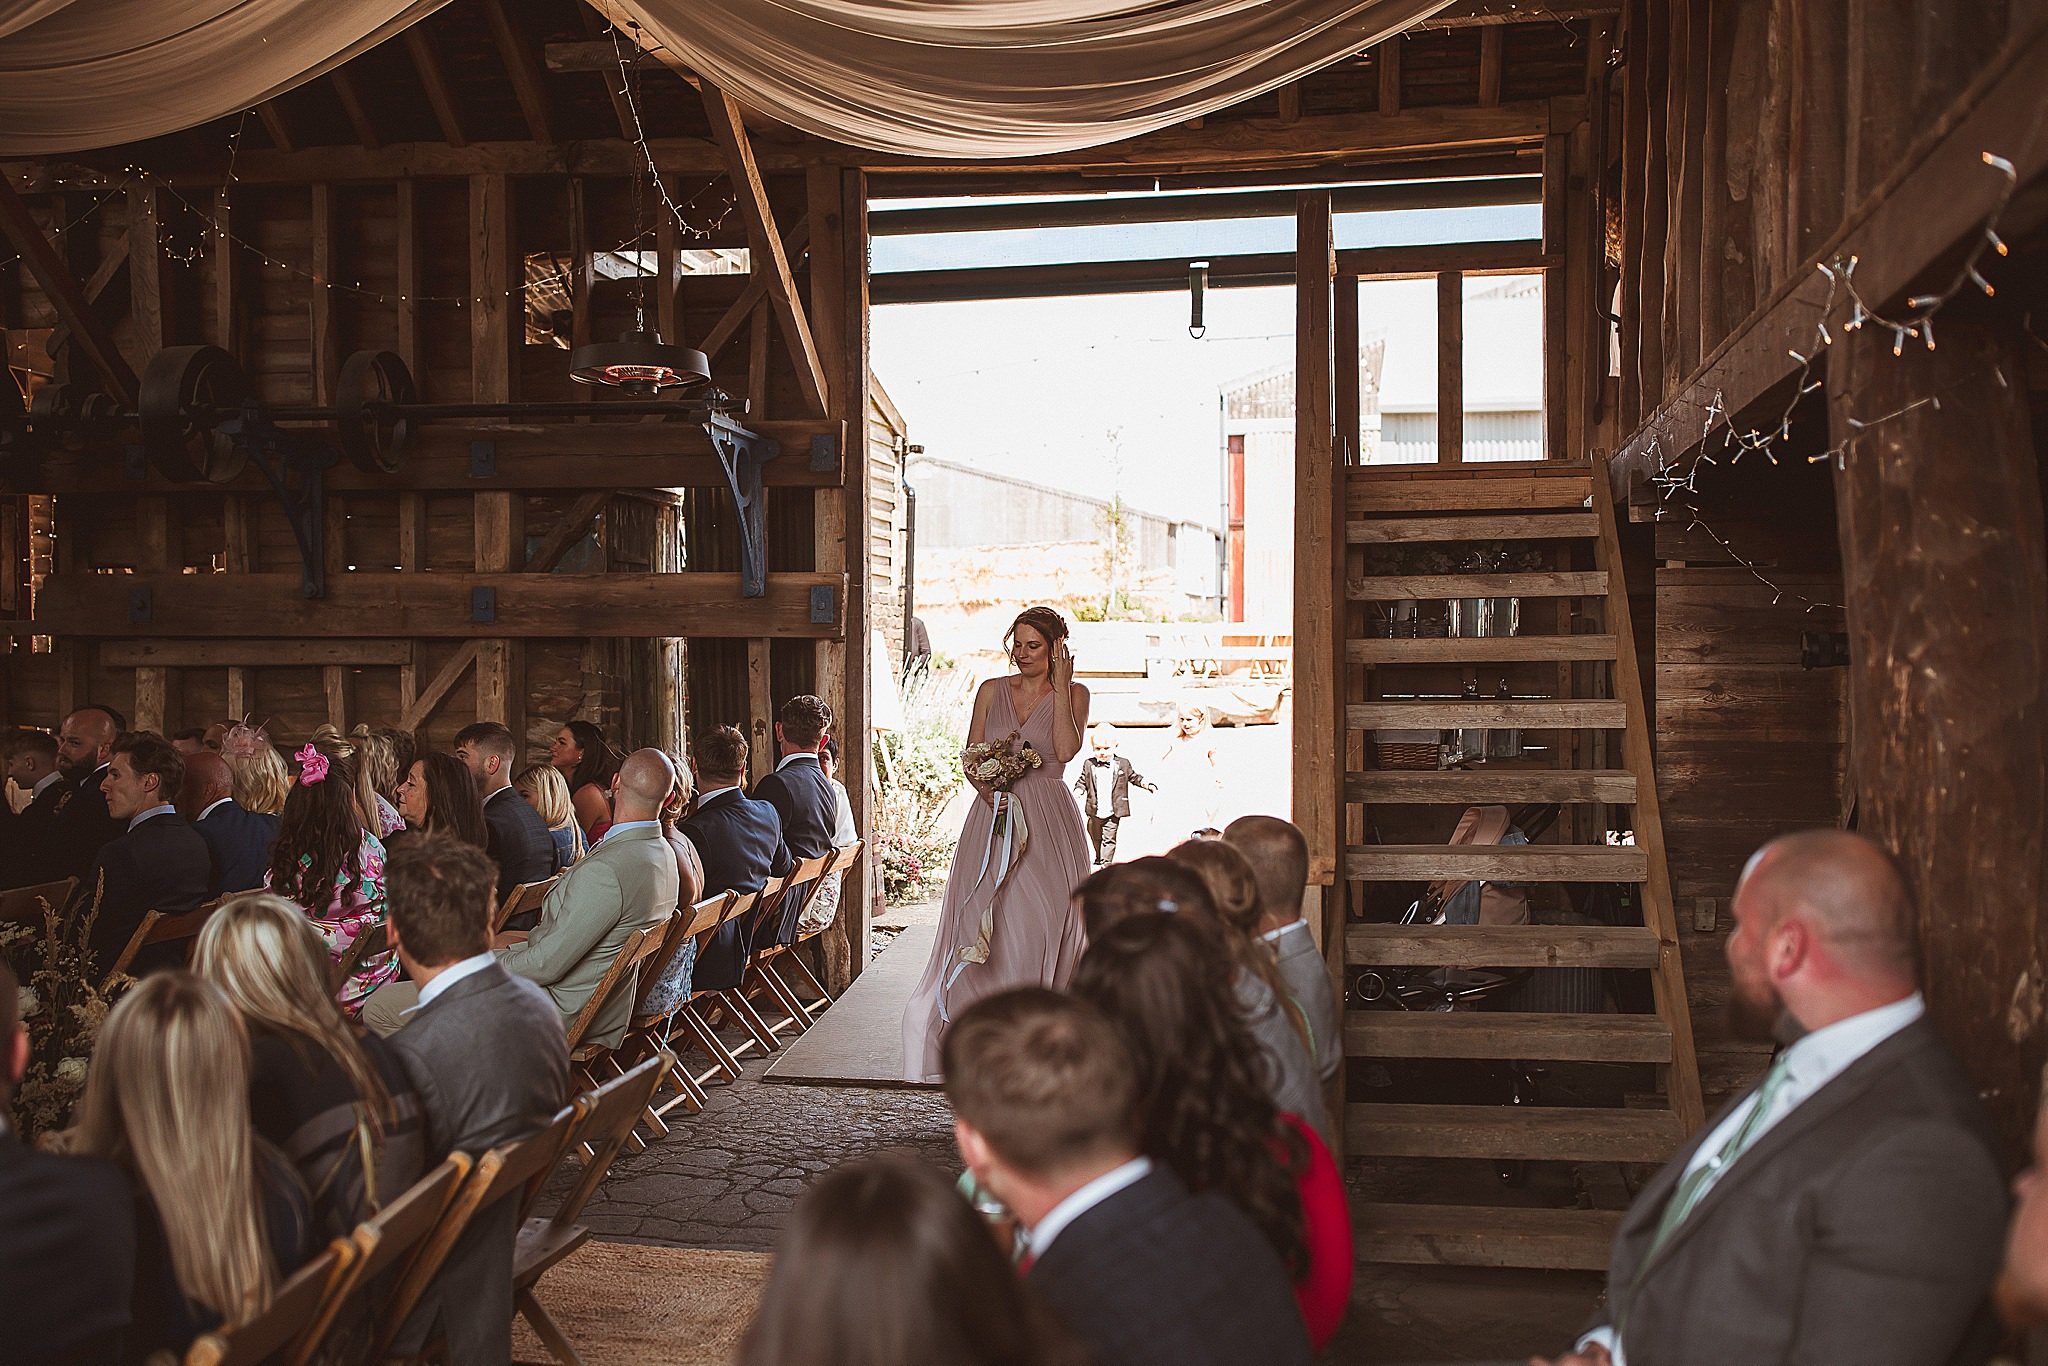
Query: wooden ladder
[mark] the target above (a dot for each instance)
(1563, 510)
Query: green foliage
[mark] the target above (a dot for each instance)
(918, 770)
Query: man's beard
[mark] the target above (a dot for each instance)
(1751, 1018)
(75, 772)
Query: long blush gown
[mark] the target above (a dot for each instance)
(1037, 938)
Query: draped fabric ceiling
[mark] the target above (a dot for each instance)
(947, 78)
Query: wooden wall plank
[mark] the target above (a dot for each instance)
(1450, 367)
(1317, 554)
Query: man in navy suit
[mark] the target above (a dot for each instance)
(740, 841)
(238, 839)
(1141, 1271)
(802, 797)
(159, 862)
(515, 836)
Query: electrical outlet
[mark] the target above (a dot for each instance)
(1705, 914)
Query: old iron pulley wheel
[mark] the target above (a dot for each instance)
(186, 392)
(373, 435)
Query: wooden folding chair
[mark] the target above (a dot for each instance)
(842, 860)
(648, 1032)
(795, 1016)
(498, 1175)
(285, 1330)
(159, 928)
(767, 902)
(370, 944)
(606, 1119)
(725, 1061)
(640, 945)
(394, 1235)
(526, 896)
(24, 905)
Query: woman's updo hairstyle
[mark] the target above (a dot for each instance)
(1043, 620)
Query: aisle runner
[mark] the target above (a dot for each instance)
(859, 1041)
(634, 1304)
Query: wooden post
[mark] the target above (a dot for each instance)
(1946, 576)
(1317, 501)
(320, 296)
(497, 331)
(66, 296)
(227, 300)
(408, 260)
(148, 308)
(760, 712)
(1450, 367)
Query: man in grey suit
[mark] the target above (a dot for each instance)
(1848, 1209)
(485, 1051)
(628, 881)
(1278, 854)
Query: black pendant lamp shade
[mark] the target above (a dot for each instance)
(640, 362)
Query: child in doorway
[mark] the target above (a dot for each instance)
(1104, 788)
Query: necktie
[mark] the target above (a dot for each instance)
(1701, 1178)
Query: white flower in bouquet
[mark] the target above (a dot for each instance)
(30, 1003)
(71, 1071)
(989, 770)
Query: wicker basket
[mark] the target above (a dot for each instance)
(1407, 749)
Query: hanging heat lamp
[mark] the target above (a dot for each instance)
(640, 362)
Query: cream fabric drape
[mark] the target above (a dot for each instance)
(1005, 78)
(76, 74)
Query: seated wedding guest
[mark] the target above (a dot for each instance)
(884, 1264)
(439, 794)
(588, 763)
(67, 1234)
(740, 840)
(1045, 1108)
(1165, 981)
(676, 982)
(189, 741)
(1849, 1208)
(1151, 885)
(802, 798)
(823, 907)
(220, 1217)
(627, 882)
(31, 757)
(516, 837)
(334, 1101)
(80, 824)
(1268, 1007)
(547, 792)
(159, 863)
(331, 867)
(237, 840)
(486, 1052)
(386, 755)
(1278, 855)
(261, 778)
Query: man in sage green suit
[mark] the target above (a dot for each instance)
(628, 881)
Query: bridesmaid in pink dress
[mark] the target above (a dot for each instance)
(1037, 938)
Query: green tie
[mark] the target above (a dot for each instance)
(1697, 1181)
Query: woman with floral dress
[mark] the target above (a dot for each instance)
(330, 866)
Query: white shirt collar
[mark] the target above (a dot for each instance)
(704, 798)
(623, 826)
(214, 806)
(1825, 1054)
(801, 756)
(1041, 1234)
(53, 776)
(159, 809)
(453, 973)
(1273, 936)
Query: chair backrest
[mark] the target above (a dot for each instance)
(809, 870)
(370, 944)
(288, 1324)
(26, 903)
(397, 1232)
(159, 928)
(640, 944)
(708, 914)
(496, 1174)
(663, 953)
(605, 1120)
(524, 897)
(843, 856)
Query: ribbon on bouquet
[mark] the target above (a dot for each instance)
(1008, 837)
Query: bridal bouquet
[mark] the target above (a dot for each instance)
(996, 764)
(999, 763)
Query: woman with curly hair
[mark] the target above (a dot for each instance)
(588, 762)
(439, 793)
(1269, 1010)
(1166, 981)
(331, 867)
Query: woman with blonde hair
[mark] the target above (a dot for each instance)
(221, 1219)
(1269, 1010)
(380, 817)
(334, 1101)
(386, 754)
(260, 776)
(547, 792)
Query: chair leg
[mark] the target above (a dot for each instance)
(723, 1061)
(810, 983)
(750, 1019)
(546, 1329)
(788, 999)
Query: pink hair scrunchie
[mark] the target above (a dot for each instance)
(312, 764)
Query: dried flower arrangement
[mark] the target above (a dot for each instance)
(64, 1001)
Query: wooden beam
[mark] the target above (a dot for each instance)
(434, 81)
(740, 310)
(1318, 559)
(764, 241)
(611, 48)
(1492, 13)
(528, 84)
(441, 604)
(148, 303)
(325, 342)
(582, 264)
(445, 679)
(1387, 57)
(334, 691)
(574, 526)
(113, 266)
(265, 654)
(227, 275)
(359, 120)
(496, 313)
(149, 700)
(760, 712)
(1489, 66)
(1290, 102)
(1520, 188)
(407, 251)
(277, 125)
(1450, 367)
(65, 294)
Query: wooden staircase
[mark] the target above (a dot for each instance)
(1578, 703)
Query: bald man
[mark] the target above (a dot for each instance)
(80, 825)
(1850, 1208)
(238, 839)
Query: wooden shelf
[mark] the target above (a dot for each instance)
(1477, 649)
(1549, 713)
(1482, 1235)
(1506, 1035)
(1500, 946)
(1559, 526)
(1510, 1132)
(1506, 863)
(1464, 787)
(1396, 587)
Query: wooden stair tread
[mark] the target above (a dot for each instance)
(1535, 584)
(1477, 649)
(1506, 1035)
(1505, 863)
(1465, 787)
(1484, 1235)
(1490, 526)
(1479, 471)
(1532, 713)
(1502, 492)
(1511, 1132)
(1500, 946)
